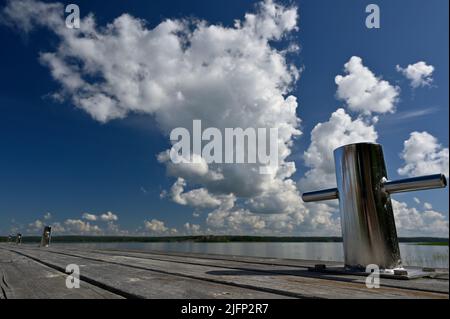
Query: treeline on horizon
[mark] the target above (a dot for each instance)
(209, 239)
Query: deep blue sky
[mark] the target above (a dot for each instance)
(55, 158)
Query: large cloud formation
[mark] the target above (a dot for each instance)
(423, 155)
(340, 130)
(179, 71)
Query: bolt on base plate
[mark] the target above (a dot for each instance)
(405, 273)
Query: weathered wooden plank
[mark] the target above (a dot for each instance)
(279, 283)
(242, 259)
(425, 284)
(143, 283)
(21, 277)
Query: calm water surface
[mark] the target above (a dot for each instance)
(412, 254)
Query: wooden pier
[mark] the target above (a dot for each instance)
(27, 271)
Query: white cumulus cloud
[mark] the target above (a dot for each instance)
(423, 155)
(363, 91)
(80, 227)
(57, 228)
(108, 217)
(192, 229)
(319, 220)
(199, 198)
(412, 222)
(36, 227)
(90, 217)
(158, 227)
(419, 74)
(340, 130)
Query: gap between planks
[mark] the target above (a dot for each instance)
(424, 284)
(412, 294)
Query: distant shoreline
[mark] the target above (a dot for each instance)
(434, 241)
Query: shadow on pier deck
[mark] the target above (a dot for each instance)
(27, 271)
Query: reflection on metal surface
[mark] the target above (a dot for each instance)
(45, 241)
(325, 194)
(416, 183)
(367, 218)
(391, 187)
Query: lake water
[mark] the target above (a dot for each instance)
(412, 254)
